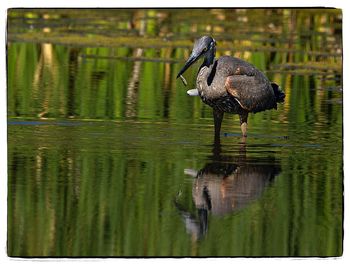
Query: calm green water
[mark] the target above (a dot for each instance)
(108, 156)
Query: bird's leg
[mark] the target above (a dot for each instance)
(244, 120)
(218, 115)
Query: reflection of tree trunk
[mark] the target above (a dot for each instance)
(45, 59)
(45, 62)
(72, 69)
(291, 34)
(133, 86)
(132, 91)
(167, 84)
(43, 84)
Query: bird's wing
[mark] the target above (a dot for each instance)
(252, 92)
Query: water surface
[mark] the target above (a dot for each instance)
(108, 156)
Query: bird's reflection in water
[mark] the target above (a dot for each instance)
(226, 184)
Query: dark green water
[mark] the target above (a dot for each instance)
(108, 156)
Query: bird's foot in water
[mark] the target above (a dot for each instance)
(244, 140)
(244, 129)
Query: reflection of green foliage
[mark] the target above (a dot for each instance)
(107, 187)
(101, 196)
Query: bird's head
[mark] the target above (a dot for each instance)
(205, 46)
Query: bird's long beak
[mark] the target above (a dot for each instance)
(192, 59)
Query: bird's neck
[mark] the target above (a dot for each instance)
(209, 60)
(207, 72)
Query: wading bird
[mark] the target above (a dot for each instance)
(230, 85)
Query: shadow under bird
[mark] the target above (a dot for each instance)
(230, 85)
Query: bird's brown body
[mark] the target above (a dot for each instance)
(231, 85)
(236, 87)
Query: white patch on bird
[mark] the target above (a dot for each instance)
(199, 84)
(201, 71)
(193, 92)
(240, 104)
(201, 89)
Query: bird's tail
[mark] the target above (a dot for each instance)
(279, 94)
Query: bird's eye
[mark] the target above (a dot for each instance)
(205, 49)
